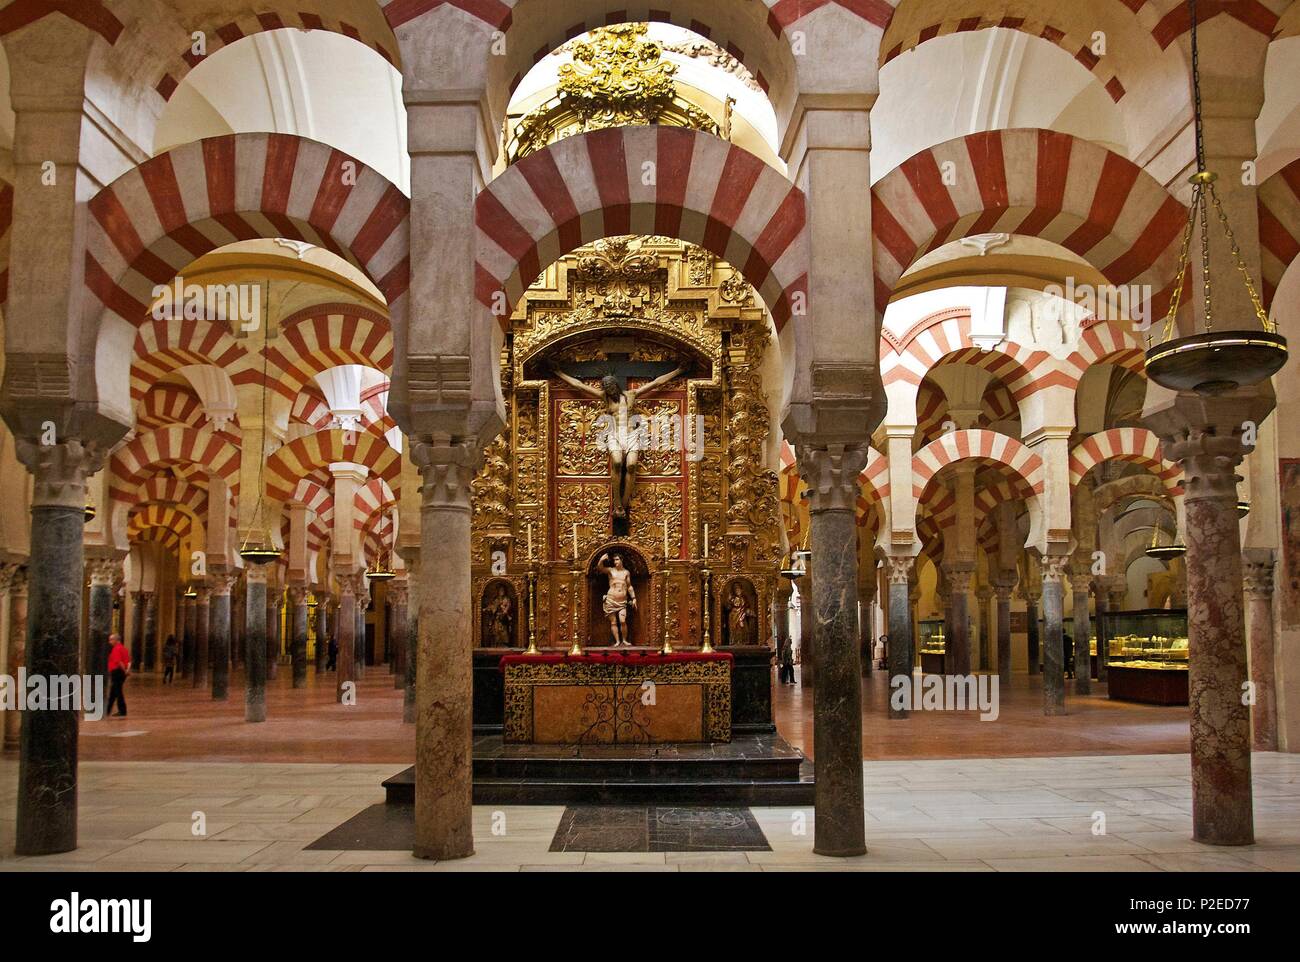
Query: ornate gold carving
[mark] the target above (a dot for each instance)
(586, 504)
(490, 489)
(576, 448)
(652, 503)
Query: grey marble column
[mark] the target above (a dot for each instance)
(17, 589)
(1081, 622)
(866, 628)
(444, 824)
(412, 636)
(1102, 601)
(359, 637)
(984, 594)
(322, 631)
(1258, 565)
(831, 473)
(1053, 568)
(1003, 592)
(899, 645)
(397, 601)
(187, 638)
(1031, 632)
(202, 627)
(255, 577)
(99, 621)
(298, 634)
(346, 633)
(47, 752)
(272, 628)
(221, 616)
(150, 630)
(807, 651)
(137, 629)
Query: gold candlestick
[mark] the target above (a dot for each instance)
(532, 609)
(667, 648)
(576, 647)
(707, 646)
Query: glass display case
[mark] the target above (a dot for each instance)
(1147, 656)
(930, 635)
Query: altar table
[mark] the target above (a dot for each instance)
(617, 698)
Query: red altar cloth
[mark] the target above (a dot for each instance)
(631, 658)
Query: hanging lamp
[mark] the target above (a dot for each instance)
(257, 548)
(382, 571)
(1211, 362)
(1164, 552)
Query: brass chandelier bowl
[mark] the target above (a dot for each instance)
(381, 574)
(259, 552)
(1216, 362)
(1166, 552)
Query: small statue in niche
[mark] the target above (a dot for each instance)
(501, 619)
(740, 619)
(618, 598)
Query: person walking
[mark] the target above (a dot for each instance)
(170, 651)
(119, 666)
(332, 663)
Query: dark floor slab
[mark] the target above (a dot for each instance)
(379, 828)
(658, 828)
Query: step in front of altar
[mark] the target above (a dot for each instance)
(750, 770)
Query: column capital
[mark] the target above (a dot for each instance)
(1203, 435)
(446, 468)
(222, 582)
(831, 473)
(398, 593)
(1257, 572)
(60, 470)
(18, 582)
(256, 575)
(1002, 588)
(297, 595)
(900, 569)
(1054, 568)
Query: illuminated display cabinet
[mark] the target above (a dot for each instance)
(1147, 656)
(931, 646)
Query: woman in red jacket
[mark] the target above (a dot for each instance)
(119, 666)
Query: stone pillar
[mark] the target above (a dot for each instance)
(1080, 579)
(412, 637)
(1003, 592)
(899, 651)
(444, 711)
(322, 631)
(255, 611)
(1203, 436)
(359, 650)
(298, 634)
(272, 628)
(137, 628)
(222, 583)
(346, 633)
(1258, 565)
(1101, 598)
(187, 638)
(807, 669)
(866, 598)
(99, 622)
(397, 601)
(17, 589)
(51, 617)
(831, 473)
(781, 616)
(1053, 567)
(202, 628)
(1031, 588)
(150, 630)
(984, 594)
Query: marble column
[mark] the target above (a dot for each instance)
(807, 653)
(272, 628)
(346, 633)
(187, 638)
(444, 825)
(150, 630)
(237, 624)
(1258, 566)
(137, 629)
(412, 637)
(958, 660)
(831, 473)
(1053, 568)
(17, 588)
(359, 636)
(1003, 592)
(99, 622)
(219, 630)
(1101, 599)
(255, 612)
(1081, 623)
(866, 625)
(202, 628)
(298, 634)
(984, 594)
(51, 614)
(322, 631)
(899, 644)
(397, 601)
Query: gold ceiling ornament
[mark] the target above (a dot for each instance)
(618, 78)
(618, 271)
(1212, 362)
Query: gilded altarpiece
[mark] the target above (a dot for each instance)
(625, 306)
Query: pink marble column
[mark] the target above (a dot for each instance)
(1258, 564)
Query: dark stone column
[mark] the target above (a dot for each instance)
(255, 611)
(1053, 568)
(866, 597)
(444, 824)
(298, 636)
(958, 660)
(984, 594)
(220, 632)
(346, 632)
(272, 629)
(412, 559)
(202, 627)
(899, 645)
(17, 589)
(1082, 625)
(397, 601)
(1102, 601)
(1258, 565)
(137, 628)
(99, 623)
(832, 476)
(150, 630)
(322, 631)
(47, 751)
(1031, 630)
(359, 637)
(807, 669)
(191, 627)
(1003, 591)
(237, 627)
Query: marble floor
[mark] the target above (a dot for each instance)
(1001, 814)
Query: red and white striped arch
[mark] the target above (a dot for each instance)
(162, 347)
(154, 220)
(91, 14)
(310, 408)
(1137, 445)
(1038, 183)
(169, 404)
(944, 337)
(168, 489)
(173, 444)
(298, 459)
(582, 188)
(1106, 342)
(167, 523)
(984, 445)
(1170, 19)
(365, 25)
(325, 336)
(320, 506)
(1278, 201)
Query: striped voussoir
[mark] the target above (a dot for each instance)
(1279, 226)
(984, 445)
(1137, 445)
(1077, 44)
(157, 218)
(372, 499)
(1038, 183)
(168, 489)
(376, 35)
(173, 444)
(91, 14)
(160, 522)
(495, 13)
(700, 189)
(162, 347)
(320, 510)
(311, 410)
(298, 459)
(784, 13)
(1170, 19)
(169, 404)
(327, 336)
